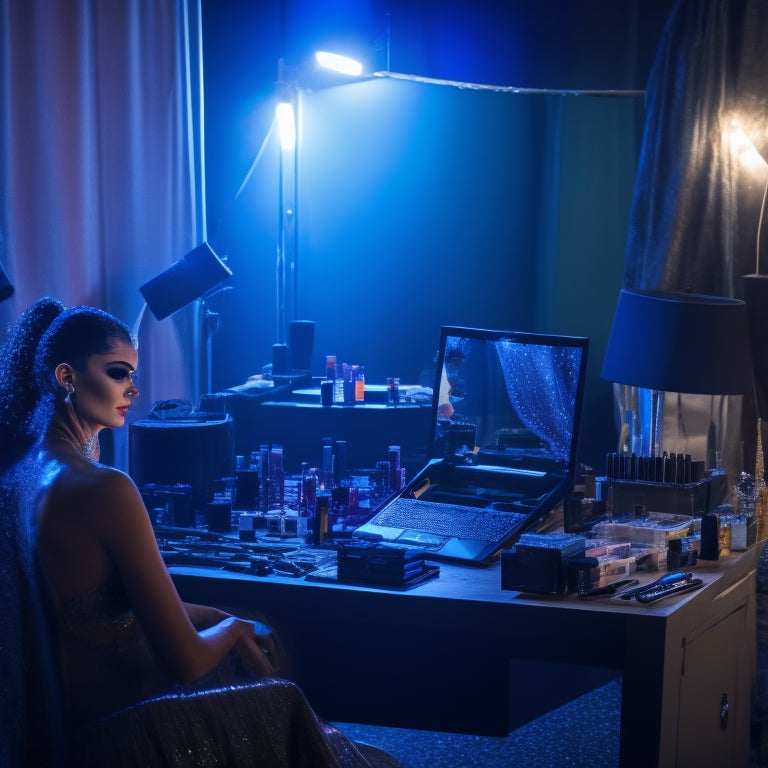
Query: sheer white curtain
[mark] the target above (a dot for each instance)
(102, 182)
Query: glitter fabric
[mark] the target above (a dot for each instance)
(101, 616)
(268, 724)
(254, 721)
(547, 411)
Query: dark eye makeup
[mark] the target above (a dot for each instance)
(118, 373)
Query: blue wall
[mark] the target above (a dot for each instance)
(421, 205)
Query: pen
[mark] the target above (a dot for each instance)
(608, 589)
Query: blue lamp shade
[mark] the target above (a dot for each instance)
(680, 342)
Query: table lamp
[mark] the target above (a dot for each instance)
(678, 342)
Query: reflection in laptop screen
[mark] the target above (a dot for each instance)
(502, 451)
(507, 400)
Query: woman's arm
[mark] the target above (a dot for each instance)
(204, 616)
(122, 526)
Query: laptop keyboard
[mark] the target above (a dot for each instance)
(450, 520)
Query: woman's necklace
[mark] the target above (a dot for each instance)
(89, 450)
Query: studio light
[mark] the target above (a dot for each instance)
(197, 276)
(286, 125)
(291, 80)
(338, 63)
(191, 277)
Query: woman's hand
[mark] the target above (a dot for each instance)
(256, 651)
(255, 648)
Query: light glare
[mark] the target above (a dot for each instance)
(338, 63)
(286, 125)
(744, 149)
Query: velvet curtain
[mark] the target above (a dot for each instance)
(102, 182)
(696, 207)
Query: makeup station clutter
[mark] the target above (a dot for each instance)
(258, 519)
(498, 464)
(665, 514)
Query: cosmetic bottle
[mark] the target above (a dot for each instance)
(385, 476)
(302, 513)
(327, 464)
(338, 389)
(310, 497)
(320, 524)
(393, 454)
(246, 486)
(348, 375)
(359, 376)
(393, 391)
(264, 492)
(339, 462)
(277, 477)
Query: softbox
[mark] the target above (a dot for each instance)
(188, 279)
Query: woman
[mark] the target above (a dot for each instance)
(123, 633)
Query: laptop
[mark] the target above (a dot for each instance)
(502, 451)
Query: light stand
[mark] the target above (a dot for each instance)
(288, 120)
(286, 268)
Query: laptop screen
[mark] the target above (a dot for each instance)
(508, 401)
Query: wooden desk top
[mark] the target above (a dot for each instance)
(483, 585)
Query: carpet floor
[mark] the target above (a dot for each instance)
(584, 733)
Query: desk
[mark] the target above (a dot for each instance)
(447, 655)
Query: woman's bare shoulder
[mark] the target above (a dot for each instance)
(95, 485)
(97, 476)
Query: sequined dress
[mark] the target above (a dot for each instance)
(126, 712)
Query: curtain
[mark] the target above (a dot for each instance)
(694, 219)
(547, 411)
(695, 211)
(102, 183)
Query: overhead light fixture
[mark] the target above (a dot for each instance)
(338, 63)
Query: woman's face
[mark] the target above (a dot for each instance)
(104, 391)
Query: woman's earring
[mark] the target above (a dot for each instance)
(70, 390)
